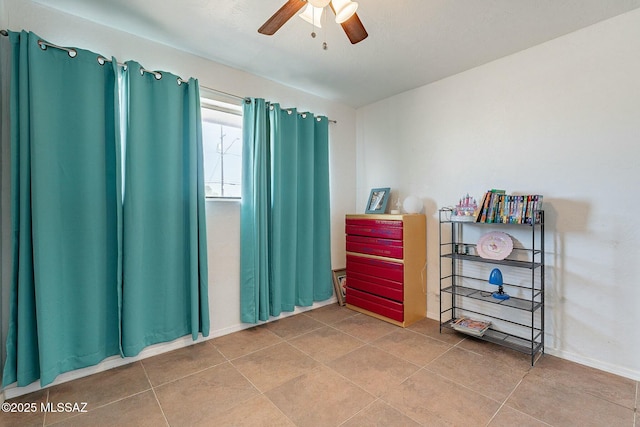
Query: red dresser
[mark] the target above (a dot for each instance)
(386, 266)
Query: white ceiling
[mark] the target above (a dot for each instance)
(411, 42)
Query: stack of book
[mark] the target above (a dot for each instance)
(471, 326)
(501, 208)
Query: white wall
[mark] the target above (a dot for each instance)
(561, 119)
(3, 15)
(223, 218)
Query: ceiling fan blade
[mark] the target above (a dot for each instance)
(353, 28)
(279, 18)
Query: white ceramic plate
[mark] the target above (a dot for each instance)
(495, 245)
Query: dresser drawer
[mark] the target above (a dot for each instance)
(384, 307)
(388, 229)
(375, 246)
(376, 285)
(374, 267)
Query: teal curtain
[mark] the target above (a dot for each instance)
(95, 271)
(255, 213)
(65, 185)
(321, 227)
(164, 293)
(5, 192)
(285, 219)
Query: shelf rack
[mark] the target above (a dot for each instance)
(468, 287)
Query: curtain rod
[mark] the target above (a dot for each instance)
(221, 92)
(101, 60)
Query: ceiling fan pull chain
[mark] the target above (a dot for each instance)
(313, 19)
(324, 32)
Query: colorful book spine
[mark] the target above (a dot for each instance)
(482, 214)
(490, 213)
(495, 215)
(523, 210)
(500, 208)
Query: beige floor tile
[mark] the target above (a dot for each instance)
(431, 328)
(246, 341)
(194, 400)
(365, 328)
(24, 411)
(432, 400)
(373, 369)
(99, 389)
(257, 411)
(182, 362)
(479, 372)
(379, 414)
(562, 404)
(320, 398)
(509, 417)
(336, 367)
(326, 344)
(141, 410)
(598, 383)
(411, 346)
(330, 314)
(293, 326)
(273, 366)
(499, 354)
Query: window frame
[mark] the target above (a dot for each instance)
(209, 102)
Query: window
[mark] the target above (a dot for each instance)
(222, 149)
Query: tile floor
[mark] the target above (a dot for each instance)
(335, 367)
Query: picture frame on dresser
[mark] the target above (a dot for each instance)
(339, 284)
(378, 199)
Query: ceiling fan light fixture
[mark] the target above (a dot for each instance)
(313, 15)
(344, 9)
(319, 3)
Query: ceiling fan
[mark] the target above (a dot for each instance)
(344, 10)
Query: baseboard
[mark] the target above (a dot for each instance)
(582, 360)
(592, 363)
(13, 391)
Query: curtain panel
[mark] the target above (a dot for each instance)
(98, 272)
(5, 192)
(285, 218)
(65, 203)
(164, 293)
